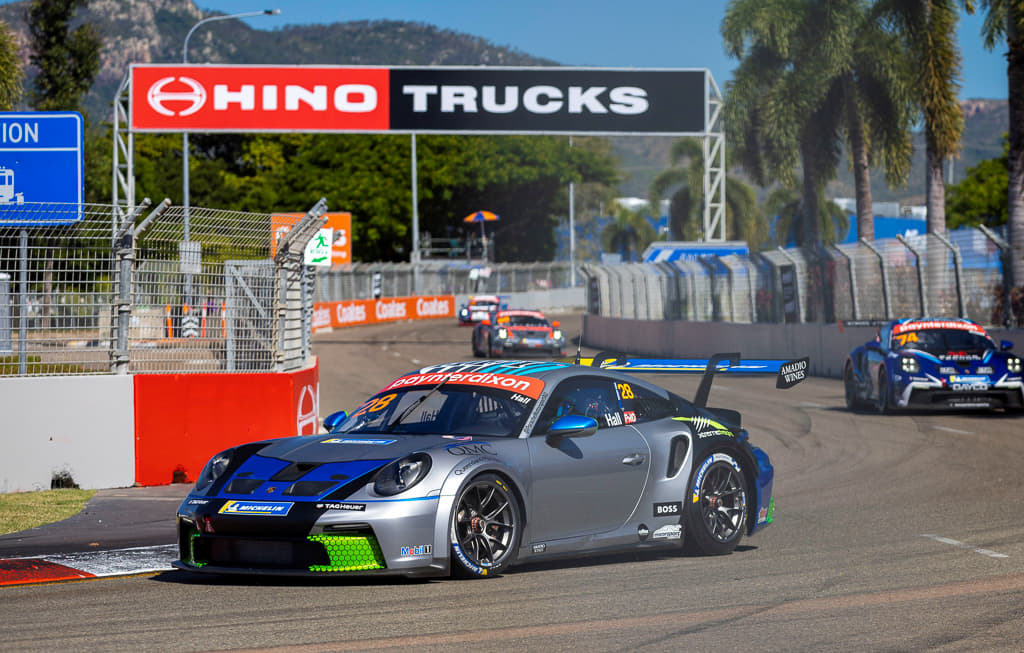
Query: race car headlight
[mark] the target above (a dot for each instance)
(213, 470)
(557, 334)
(909, 365)
(503, 333)
(1013, 365)
(402, 474)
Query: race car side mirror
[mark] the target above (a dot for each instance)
(334, 419)
(1006, 345)
(873, 345)
(556, 324)
(485, 322)
(570, 426)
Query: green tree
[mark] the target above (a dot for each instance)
(1004, 20)
(980, 198)
(68, 60)
(523, 179)
(629, 233)
(11, 71)
(812, 77)
(743, 218)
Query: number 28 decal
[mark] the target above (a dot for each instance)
(625, 392)
(374, 405)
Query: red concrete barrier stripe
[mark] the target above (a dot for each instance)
(34, 570)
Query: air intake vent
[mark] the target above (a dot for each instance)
(294, 472)
(243, 485)
(309, 488)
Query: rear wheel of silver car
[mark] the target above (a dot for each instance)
(716, 506)
(485, 527)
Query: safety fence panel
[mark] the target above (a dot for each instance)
(61, 277)
(959, 274)
(377, 280)
(93, 290)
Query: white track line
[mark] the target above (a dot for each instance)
(962, 545)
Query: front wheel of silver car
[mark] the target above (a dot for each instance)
(716, 506)
(485, 528)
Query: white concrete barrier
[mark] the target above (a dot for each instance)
(77, 427)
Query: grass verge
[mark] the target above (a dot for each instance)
(20, 511)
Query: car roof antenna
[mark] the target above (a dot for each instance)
(579, 347)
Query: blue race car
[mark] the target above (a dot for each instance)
(933, 363)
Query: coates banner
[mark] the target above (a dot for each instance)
(181, 98)
(329, 315)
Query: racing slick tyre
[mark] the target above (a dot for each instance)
(853, 402)
(491, 351)
(884, 405)
(715, 512)
(485, 528)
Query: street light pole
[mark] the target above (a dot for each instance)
(186, 251)
(184, 60)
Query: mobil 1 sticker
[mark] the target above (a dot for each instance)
(668, 509)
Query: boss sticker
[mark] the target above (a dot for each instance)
(668, 508)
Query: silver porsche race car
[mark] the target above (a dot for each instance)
(466, 468)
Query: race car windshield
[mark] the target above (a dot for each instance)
(525, 320)
(451, 409)
(940, 341)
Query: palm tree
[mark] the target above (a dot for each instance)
(628, 234)
(1005, 19)
(814, 76)
(784, 204)
(11, 70)
(743, 218)
(928, 30)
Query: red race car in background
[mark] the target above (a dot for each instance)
(478, 308)
(520, 331)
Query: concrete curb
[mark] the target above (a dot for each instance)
(82, 566)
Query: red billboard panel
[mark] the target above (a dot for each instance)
(259, 98)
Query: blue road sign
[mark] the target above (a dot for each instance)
(41, 162)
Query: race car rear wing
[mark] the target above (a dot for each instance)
(789, 372)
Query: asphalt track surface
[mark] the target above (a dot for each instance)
(892, 533)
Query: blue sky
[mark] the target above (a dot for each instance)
(616, 33)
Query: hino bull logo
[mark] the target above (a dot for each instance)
(157, 96)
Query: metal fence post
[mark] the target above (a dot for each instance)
(957, 273)
(1004, 258)
(853, 282)
(124, 242)
(886, 297)
(921, 289)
